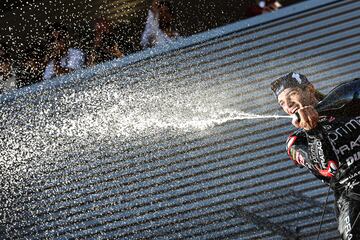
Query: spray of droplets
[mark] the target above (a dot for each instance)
(41, 130)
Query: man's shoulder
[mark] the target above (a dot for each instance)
(294, 146)
(297, 135)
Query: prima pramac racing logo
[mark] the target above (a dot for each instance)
(346, 129)
(346, 141)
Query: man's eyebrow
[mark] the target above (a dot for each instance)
(292, 90)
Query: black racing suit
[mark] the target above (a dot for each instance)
(331, 152)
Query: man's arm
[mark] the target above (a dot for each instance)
(313, 151)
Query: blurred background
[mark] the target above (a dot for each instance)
(25, 23)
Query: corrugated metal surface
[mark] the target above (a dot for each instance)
(122, 10)
(231, 181)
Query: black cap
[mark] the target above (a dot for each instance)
(288, 81)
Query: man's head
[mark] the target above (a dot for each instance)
(293, 91)
(165, 12)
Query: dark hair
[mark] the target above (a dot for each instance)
(318, 95)
(166, 4)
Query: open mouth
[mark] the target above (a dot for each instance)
(294, 110)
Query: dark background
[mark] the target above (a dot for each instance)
(24, 23)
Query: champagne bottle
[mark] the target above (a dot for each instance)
(336, 102)
(343, 100)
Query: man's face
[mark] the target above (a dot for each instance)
(292, 99)
(5, 68)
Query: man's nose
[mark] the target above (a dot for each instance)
(289, 103)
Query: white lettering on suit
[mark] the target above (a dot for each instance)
(348, 128)
(350, 146)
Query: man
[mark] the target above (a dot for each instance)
(61, 58)
(327, 140)
(262, 6)
(8, 78)
(159, 28)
